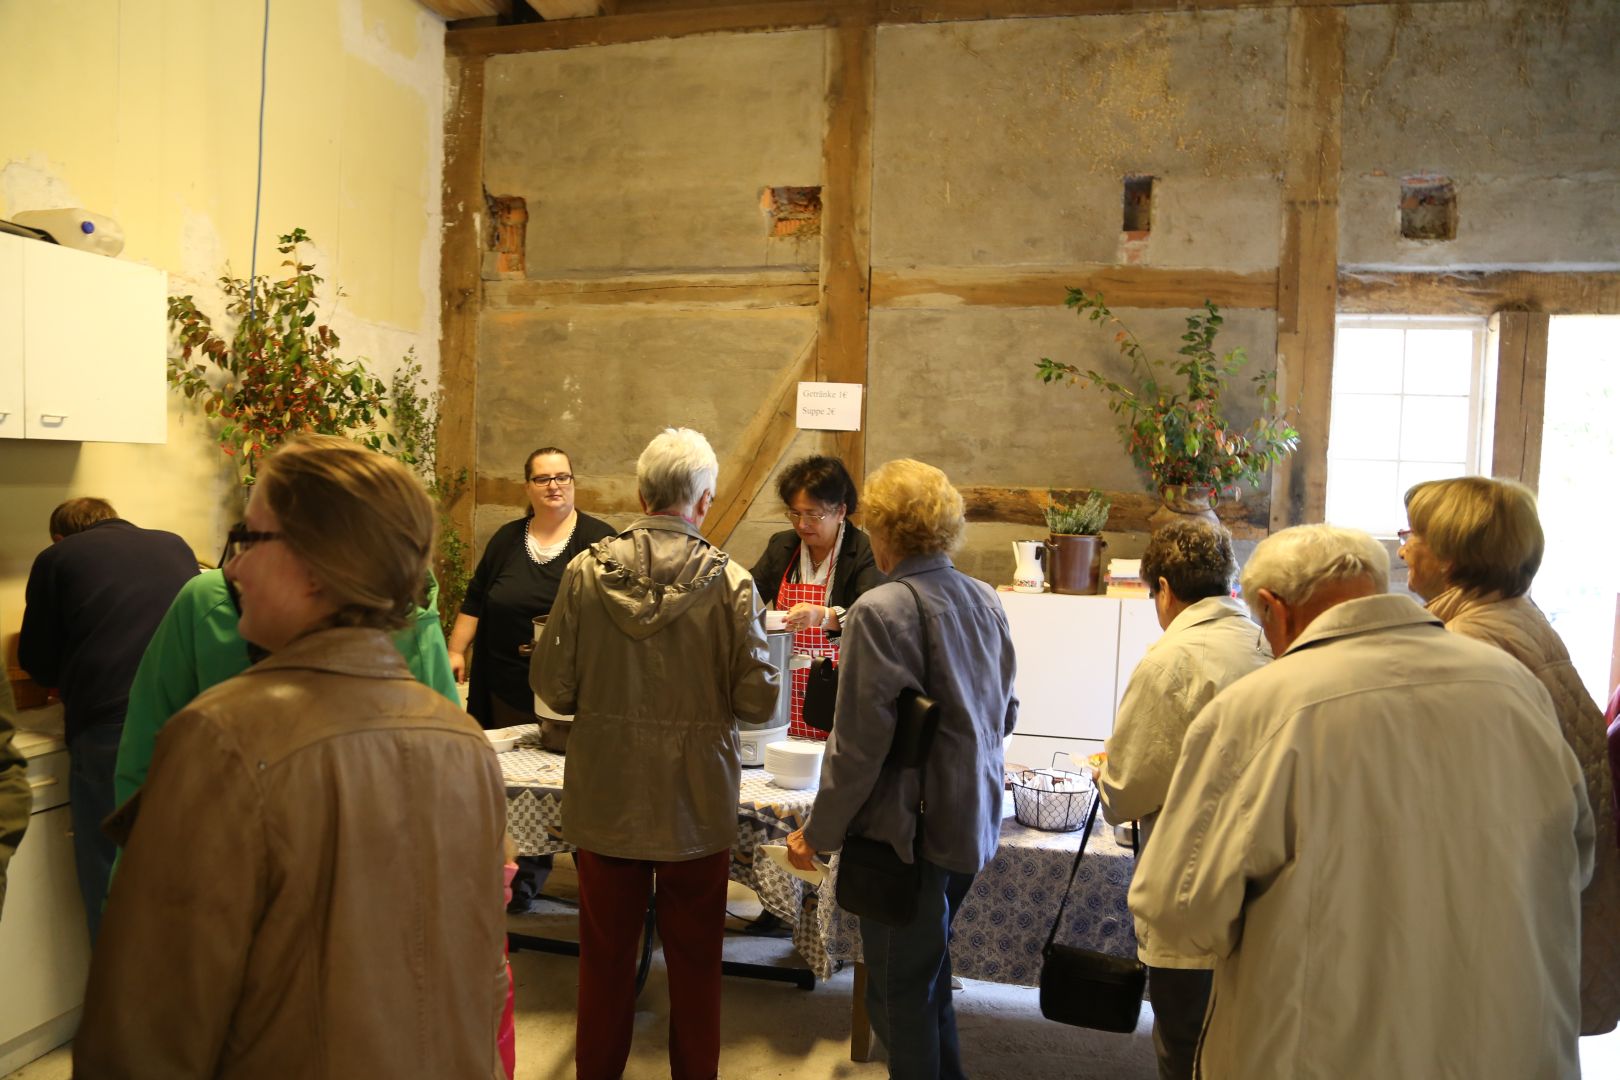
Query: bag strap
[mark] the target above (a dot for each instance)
(1091, 819)
(922, 768)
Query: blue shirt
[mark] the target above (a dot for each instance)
(970, 672)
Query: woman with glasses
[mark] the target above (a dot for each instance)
(317, 851)
(816, 569)
(1474, 547)
(515, 582)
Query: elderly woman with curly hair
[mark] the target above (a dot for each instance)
(915, 519)
(1473, 548)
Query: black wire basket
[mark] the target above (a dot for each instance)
(1053, 800)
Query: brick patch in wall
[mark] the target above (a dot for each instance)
(792, 211)
(1428, 208)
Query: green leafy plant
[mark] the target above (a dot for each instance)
(1072, 516)
(278, 372)
(413, 438)
(1178, 435)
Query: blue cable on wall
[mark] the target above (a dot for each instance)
(258, 184)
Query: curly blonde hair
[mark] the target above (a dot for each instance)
(359, 521)
(912, 509)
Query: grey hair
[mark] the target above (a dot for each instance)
(675, 470)
(1294, 563)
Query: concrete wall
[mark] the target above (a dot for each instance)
(147, 112)
(1518, 103)
(1004, 145)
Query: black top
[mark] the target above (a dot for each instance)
(94, 601)
(854, 573)
(506, 593)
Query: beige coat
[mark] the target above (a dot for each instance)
(656, 646)
(311, 884)
(1518, 627)
(1382, 837)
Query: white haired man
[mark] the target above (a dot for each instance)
(656, 646)
(1382, 838)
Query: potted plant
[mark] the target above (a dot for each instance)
(1074, 548)
(1173, 422)
(278, 372)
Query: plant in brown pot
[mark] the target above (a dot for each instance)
(1173, 423)
(1074, 548)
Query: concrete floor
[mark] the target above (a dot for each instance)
(774, 1030)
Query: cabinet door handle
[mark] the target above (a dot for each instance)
(42, 783)
(53, 419)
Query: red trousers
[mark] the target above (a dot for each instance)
(691, 904)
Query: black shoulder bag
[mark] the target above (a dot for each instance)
(873, 881)
(820, 694)
(1086, 988)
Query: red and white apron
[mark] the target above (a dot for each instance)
(810, 641)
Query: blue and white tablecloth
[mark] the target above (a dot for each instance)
(1004, 920)
(999, 930)
(765, 813)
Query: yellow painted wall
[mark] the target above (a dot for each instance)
(147, 111)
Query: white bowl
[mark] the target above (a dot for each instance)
(501, 741)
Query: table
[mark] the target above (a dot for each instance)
(1003, 922)
(766, 813)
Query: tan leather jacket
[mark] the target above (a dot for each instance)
(655, 645)
(311, 883)
(1519, 628)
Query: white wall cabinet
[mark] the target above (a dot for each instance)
(44, 943)
(83, 344)
(1075, 657)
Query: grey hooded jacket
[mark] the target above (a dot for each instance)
(655, 645)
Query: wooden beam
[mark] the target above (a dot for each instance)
(1307, 273)
(843, 315)
(1454, 292)
(467, 9)
(763, 442)
(747, 291)
(648, 20)
(1521, 395)
(460, 279)
(1124, 286)
(1248, 519)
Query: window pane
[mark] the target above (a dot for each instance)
(1439, 361)
(1435, 429)
(1364, 426)
(1416, 472)
(1367, 361)
(1363, 495)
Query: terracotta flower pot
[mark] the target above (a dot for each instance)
(1074, 563)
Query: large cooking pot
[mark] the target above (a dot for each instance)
(554, 726)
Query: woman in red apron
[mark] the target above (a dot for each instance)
(816, 569)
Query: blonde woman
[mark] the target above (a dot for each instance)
(915, 519)
(1473, 548)
(314, 862)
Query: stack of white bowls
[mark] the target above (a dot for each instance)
(794, 763)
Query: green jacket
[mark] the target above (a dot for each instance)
(196, 646)
(16, 800)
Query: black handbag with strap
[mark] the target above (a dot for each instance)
(874, 882)
(820, 694)
(1083, 987)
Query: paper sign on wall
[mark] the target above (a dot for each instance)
(830, 406)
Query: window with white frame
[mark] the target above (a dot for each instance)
(1410, 402)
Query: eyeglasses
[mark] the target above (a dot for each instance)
(241, 538)
(812, 517)
(1403, 535)
(561, 480)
